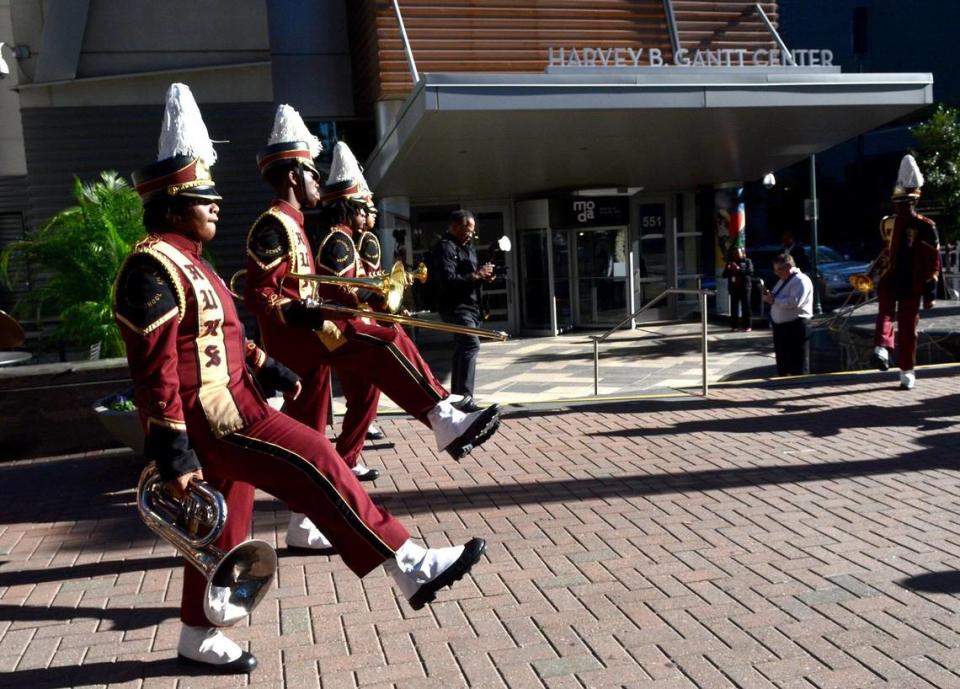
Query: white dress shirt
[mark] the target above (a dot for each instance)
(792, 299)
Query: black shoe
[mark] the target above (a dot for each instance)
(466, 405)
(463, 564)
(479, 432)
(374, 433)
(879, 362)
(368, 475)
(247, 662)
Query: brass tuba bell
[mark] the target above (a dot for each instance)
(867, 282)
(862, 282)
(237, 580)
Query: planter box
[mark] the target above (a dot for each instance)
(47, 410)
(124, 426)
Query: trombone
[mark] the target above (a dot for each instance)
(392, 285)
(498, 335)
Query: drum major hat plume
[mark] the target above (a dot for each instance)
(909, 180)
(185, 153)
(346, 178)
(290, 143)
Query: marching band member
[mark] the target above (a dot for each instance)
(910, 267)
(366, 356)
(205, 418)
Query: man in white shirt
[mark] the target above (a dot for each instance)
(791, 308)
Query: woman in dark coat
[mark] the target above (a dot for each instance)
(739, 274)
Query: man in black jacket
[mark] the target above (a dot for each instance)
(460, 279)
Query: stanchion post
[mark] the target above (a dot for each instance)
(703, 337)
(596, 367)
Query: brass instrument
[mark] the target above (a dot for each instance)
(236, 581)
(498, 335)
(394, 282)
(391, 285)
(867, 281)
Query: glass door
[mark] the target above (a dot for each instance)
(544, 281)
(601, 280)
(536, 314)
(562, 299)
(650, 274)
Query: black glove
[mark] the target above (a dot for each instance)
(274, 376)
(301, 315)
(929, 293)
(170, 449)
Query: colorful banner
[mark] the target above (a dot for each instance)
(730, 223)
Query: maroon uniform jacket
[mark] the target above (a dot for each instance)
(187, 351)
(337, 255)
(368, 253)
(912, 250)
(277, 245)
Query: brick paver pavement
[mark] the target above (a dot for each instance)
(797, 536)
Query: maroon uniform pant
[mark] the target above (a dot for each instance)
(408, 381)
(365, 365)
(906, 310)
(312, 406)
(299, 466)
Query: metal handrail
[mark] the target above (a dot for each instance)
(703, 294)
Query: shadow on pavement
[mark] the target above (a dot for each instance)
(99, 674)
(92, 488)
(939, 454)
(121, 619)
(86, 571)
(677, 403)
(926, 415)
(934, 582)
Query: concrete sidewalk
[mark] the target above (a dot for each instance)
(792, 534)
(654, 359)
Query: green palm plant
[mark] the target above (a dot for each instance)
(74, 259)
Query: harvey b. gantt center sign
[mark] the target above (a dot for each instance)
(653, 57)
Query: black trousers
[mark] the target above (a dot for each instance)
(740, 308)
(465, 350)
(791, 344)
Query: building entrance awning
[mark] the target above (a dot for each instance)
(503, 135)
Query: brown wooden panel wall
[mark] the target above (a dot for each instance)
(489, 36)
(514, 35)
(723, 24)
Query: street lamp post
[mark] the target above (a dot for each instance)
(814, 214)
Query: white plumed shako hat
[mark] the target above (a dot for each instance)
(185, 153)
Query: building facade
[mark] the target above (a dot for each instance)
(608, 139)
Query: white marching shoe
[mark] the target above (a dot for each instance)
(880, 359)
(420, 572)
(459, 433)
(303, 535)
(363, 472)
(211, 648)
(908, 379)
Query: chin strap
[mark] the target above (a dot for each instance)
(302, 193)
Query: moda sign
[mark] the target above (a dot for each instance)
(654, 57)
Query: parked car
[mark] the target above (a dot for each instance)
(834, 268)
